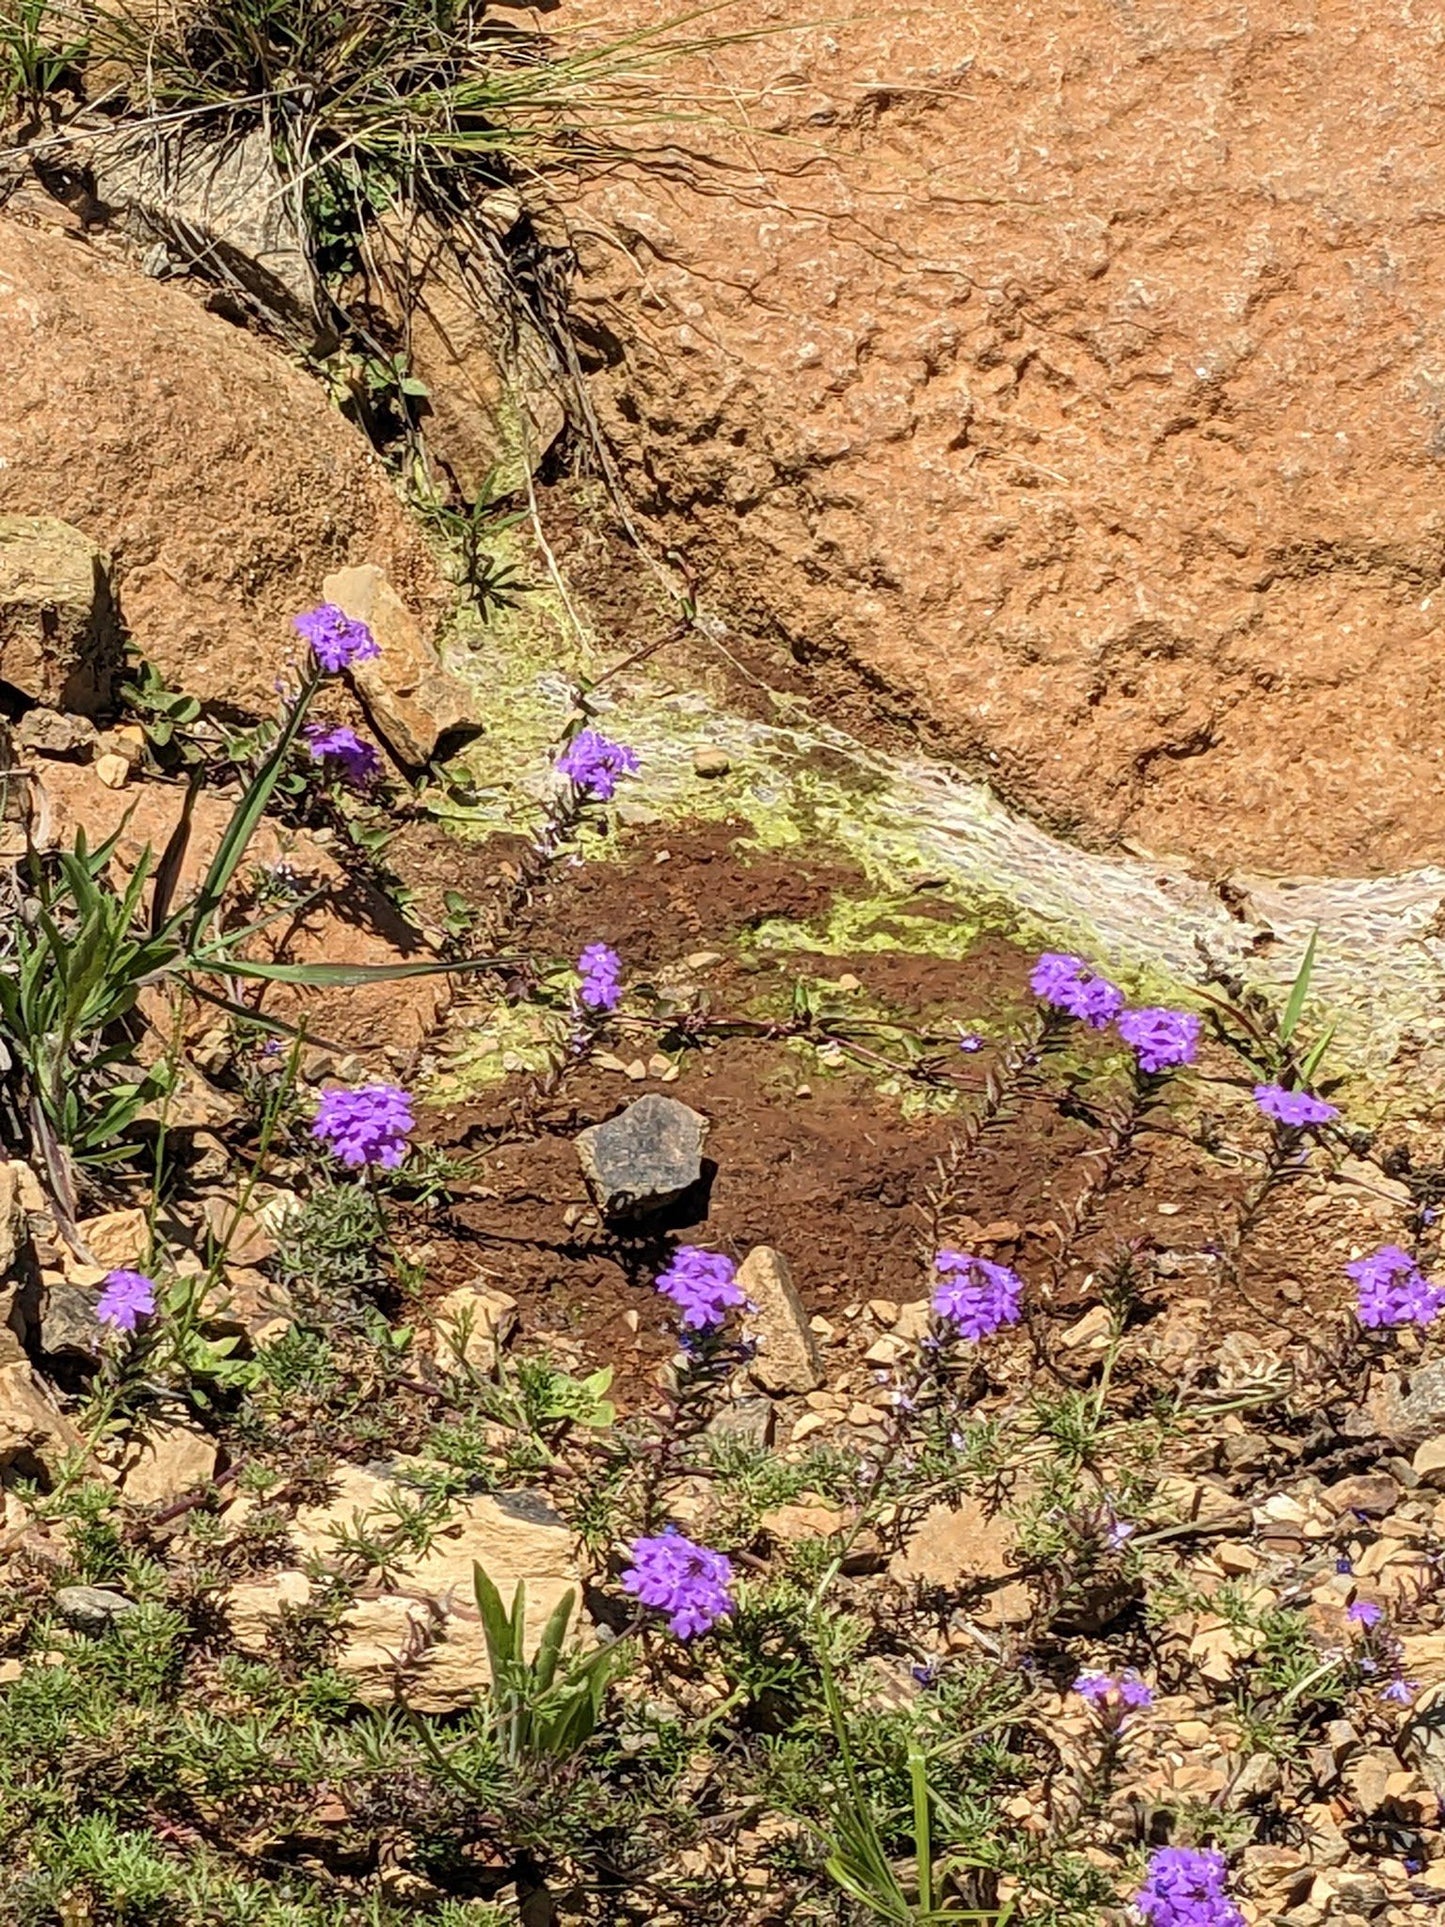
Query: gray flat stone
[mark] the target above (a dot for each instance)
(92, 1607)
(643, 1158)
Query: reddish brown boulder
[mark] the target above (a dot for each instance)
(218, 477)
(1072, 384)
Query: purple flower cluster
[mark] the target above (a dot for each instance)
(600, 968)
(1161, 1039)
(691, 1584)
(1364, 1612)
(358, 762)
(368, 1126)
(975, 1296)
(594, 763)
(1393, 1290)
(1070, 985)
(1294, 1108)
(128, 1297)
(336, 640)
(1113, 1696)
(702, 1284)
(1185, 1888)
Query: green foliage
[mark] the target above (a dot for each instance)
(39, 52)
(539, 1713)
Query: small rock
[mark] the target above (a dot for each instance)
(787, 1358)
(959, 1548)
(644, 1158)
(1373, 1493)
(113, 771)
(127, 741)
(1260, 1774)
(710, 761)
(913, 1320)
(92, 1608)
(1429, 1463)
(116, 1240)
(751, 1422)
(170, 1460)
(1410, 1407)
(67, 1320)
(50, 732)
(31, 1424)
(59, 637)
(413, 699)
(473, 1323)
(1091, 1333)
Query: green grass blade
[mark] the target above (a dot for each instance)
(1299, 991)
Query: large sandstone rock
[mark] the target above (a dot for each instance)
(423, 1631)
(1073, 379)
(218, 478)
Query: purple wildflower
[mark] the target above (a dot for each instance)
(1119, 1534)
(1295, 1108)
(128, 1297)
(1393, 1290)
(970, 1041)
(368, 1126)
(1114, 1697)
(1401, 1691)
(975, 1296)
(359, 763)
(691, 1584)
(601, 971)
(1070, 985)
(336, 640)
(1185, 1888)
(702, 1284)
(594, 763)
(1364, 1612)
(1161, 1039)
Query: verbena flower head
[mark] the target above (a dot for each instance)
(974, 1295)
(1070, 985)
(1185, 1888)
(1401, 1691)
(1364, 1612)
(369, 1126)
(1295, 1108)
(1114, 1696)
(594, 763)
(1393, 1290)
(359, 762)
(702, 1284)
(1162, 1040)
(601, 971)
(336, 640)
(691, 1584)
(128, 1297)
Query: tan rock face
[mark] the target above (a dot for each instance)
(220, 480)
(1076, 378)
(423, 1632)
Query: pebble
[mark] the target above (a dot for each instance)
(112, 770)
(1429, 1462)
(710, 761)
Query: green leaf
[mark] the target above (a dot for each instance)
(328, 974)
(1298, 993)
